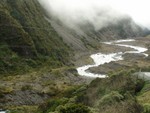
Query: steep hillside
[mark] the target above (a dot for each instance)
(27, 39)
(85, 36)
(125, 28)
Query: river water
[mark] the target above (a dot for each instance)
(100, 58)
(2, 112)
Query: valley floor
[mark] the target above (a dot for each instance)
(130, 60)
(28, 91)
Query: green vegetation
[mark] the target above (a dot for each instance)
(143, 97)
(23, 109)
(75, 108)
(116, 94)
(115, 91)
(27, 40)
(61, 106)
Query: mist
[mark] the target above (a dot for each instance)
(99, 13)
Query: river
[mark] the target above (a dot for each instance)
(2, 111)
(100, 58)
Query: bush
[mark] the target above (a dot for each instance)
(146, 108)
(75, 108)
(111, 98)
(51, 105)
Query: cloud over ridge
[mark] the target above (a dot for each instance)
(99, 13)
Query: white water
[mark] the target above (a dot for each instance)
(100, 59)
(2, 112)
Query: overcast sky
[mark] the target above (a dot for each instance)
(99, 11)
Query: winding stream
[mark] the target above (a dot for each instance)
(100, 59)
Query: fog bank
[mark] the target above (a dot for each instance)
(99, 13)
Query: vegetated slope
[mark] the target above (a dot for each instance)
(86, 36)
(125, 28)
(27, 42)
(111, 95)
(27, 39)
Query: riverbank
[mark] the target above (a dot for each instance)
(101, 59)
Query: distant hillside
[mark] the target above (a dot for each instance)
(87, 37)
(27, 39)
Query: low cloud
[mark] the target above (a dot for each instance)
(98, 13)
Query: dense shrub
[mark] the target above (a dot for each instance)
(75, 108)
(146, 108)
(51, 105)
(111, 98)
